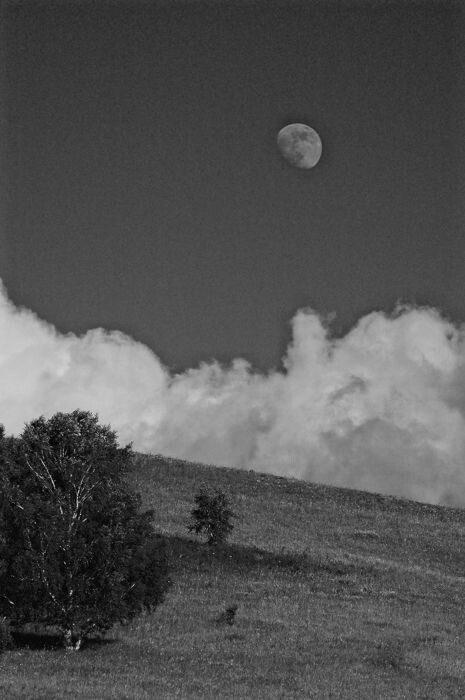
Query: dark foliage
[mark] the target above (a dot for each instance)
(77, 553)
(212, 516)
(228, 616)
(6, 639)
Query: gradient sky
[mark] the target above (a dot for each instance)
(145, 192)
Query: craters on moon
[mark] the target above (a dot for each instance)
(300, 145)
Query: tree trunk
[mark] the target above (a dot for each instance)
(68, 639)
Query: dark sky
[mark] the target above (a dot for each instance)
(144, 190)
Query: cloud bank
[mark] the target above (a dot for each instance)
(381, 409)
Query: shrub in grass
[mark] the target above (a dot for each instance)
(79, 554)
(212, 516)
(228, 616)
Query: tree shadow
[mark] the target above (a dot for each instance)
(187, 553)
(51, 641)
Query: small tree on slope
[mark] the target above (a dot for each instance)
(212, 516)
(80, 554)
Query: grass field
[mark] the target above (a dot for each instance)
(340, 594)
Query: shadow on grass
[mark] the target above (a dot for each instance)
(390, 653)
(187, 554)
(51, 641)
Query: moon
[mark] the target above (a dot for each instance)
(300, 145)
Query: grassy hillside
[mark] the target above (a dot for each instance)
(340, 594)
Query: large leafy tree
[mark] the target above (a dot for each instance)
(4, 499)
(80, 554)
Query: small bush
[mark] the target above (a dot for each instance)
(212, 516)
(227, 617)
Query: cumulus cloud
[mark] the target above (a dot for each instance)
(381, 409)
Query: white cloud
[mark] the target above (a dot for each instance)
(381, 409)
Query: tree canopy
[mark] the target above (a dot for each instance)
(76, 550)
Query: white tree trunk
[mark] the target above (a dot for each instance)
(68, 638)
